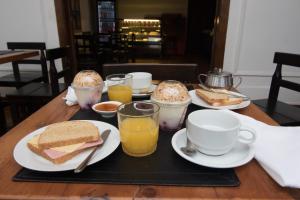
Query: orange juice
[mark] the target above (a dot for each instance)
(139, 136)
(122, 93)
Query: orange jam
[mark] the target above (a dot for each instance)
(106, 107)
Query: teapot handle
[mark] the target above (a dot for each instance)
(199, 78)
(239, 81)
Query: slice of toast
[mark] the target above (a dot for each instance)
(216, 99)
(67, 133)
(61, 154)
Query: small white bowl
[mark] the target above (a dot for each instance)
(107, 109)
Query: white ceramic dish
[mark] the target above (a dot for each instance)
(106, 113)
(26, 158)
(152, 88)
(198, 101)
(239, 155)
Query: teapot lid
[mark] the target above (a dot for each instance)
(219, 72)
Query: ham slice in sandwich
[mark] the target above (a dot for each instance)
(62, 141)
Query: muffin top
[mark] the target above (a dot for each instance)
(87, 78)
(171, 91)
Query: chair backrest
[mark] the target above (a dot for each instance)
(186, 73)
(3, 127)
(51, 56)
(282, 59)
(86, 45)
(88, 51)
(119, 41)
(41, 46)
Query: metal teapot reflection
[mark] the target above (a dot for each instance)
(220, 79)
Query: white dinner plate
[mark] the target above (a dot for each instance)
(152, 88)
(198, 101)
(26, 158)
(239, 155)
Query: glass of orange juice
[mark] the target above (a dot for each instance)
(138, 125)
(119, 87)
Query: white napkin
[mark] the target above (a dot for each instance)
(277, 150)
(70, 98)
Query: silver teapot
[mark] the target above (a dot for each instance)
(220, 79)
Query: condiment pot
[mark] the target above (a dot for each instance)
(220, 79)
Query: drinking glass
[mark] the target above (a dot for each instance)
(88, 86)
(138, 125)
(119, 87)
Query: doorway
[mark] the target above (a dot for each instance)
(201, 16)
(205, 30)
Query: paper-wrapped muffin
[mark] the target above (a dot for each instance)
(88, 86)
(173, 99)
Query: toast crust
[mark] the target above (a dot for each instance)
(67, 133)
(215, 99)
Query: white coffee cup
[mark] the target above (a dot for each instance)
(141, 82)
(216, 132)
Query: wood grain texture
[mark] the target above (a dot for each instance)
(14, 56)
(65, 30)
(255, 183)
(220, 30)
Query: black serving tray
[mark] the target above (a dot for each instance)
(163, 167)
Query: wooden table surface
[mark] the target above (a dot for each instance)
(18, 55)
(255, 182)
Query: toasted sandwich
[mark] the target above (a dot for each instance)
(62, 141)
(217, 99)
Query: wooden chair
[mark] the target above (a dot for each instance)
(186, 73)
(87, 52)
(284, 114)
(112, 47)
(119, 44)
(22, 77)
(31, 97)
(3, 125)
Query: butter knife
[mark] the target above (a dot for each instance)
(85, 162)
(245, 98)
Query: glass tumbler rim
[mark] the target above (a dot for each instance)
(142, 115)
(126, 76)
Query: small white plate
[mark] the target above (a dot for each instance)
(239, 155)
(26, 158)
(198, 101)
(152, 88)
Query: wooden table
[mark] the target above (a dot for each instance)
(255, 182)
(17, 55)
(11, 56)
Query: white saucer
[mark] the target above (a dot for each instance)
(152, 88)
(198, 101)
(239, 155)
